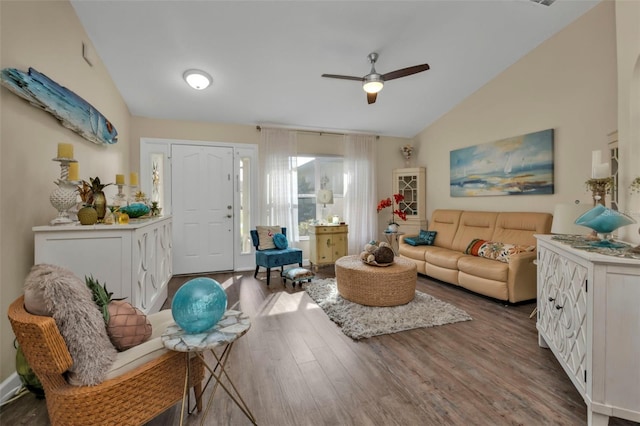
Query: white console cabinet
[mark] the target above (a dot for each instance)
(589, 316)
(133, 260)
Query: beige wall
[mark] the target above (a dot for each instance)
(48, 37)
(568, 83)
(628, 39)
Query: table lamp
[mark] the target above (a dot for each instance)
(324, 197)
(564, 217)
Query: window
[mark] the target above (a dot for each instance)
(313, 174)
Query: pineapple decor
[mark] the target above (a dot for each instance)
(126, 325)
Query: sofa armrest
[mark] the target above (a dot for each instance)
(522, 279)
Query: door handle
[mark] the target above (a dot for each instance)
(229, 216)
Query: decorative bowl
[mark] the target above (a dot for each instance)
(135, 210)
(604, 220)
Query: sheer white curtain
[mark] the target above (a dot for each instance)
(360, 195)
(278, 151)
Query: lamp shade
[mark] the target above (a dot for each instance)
(564, 217)
(325, 196)
(373, 83)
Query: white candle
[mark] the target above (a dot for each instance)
(601, 171)
(596, 158)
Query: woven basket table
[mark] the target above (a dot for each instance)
(375, 285)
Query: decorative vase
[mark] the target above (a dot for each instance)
(87, 215)
(393, 227)
(100, 204)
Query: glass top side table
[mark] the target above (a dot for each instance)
(233, 325)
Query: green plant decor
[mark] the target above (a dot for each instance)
(27, 376)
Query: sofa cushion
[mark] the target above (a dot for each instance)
(445, 223)
(78, 318)
(280, 241)
(484, 268)
(520, 227)
(442, 257)
(495, 250)
(132, 358)
(474, 224)
(265, 236)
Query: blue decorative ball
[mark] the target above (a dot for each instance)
(198, 305)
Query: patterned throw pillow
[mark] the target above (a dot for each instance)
(280, 241)
(425, 238)
(428, 236)
(496, 251)
(265, 236)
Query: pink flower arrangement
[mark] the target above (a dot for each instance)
(387, 202)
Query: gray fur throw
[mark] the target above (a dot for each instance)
(70, 303)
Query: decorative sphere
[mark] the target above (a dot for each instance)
(198, 305)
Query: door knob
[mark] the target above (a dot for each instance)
(229, 216)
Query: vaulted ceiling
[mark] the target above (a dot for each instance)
(266, 57)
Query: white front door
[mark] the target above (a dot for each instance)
(202, 192)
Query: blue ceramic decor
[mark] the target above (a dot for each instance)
(135, 210)
(604, 220)
(198, 305)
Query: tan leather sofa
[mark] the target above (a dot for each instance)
(445, 260)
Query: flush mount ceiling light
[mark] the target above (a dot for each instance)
(197, 79)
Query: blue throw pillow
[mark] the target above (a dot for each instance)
(428, 236)
(280, 241)
(425, 238)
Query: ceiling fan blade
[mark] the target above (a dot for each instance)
(371, 97)
(343, 77)
(405, 72)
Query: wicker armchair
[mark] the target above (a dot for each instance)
(133, 398)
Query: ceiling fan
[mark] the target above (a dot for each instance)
(373, 82)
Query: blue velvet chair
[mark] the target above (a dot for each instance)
(272, 258)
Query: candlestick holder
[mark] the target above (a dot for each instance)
(64, 197)
(599, 188)
(120, 199)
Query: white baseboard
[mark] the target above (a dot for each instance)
(10, 387)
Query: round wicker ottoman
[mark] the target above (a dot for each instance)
(376, 285)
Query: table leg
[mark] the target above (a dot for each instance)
(220, 362)
(186, 388)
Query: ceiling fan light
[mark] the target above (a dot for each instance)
(197, 79)
(373, 83)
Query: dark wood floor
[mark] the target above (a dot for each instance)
(295, 367)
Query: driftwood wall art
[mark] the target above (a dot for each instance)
(73, 112)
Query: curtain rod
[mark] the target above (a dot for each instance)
(318, 132)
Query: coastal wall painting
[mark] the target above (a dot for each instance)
(73, 111)
(522, 165)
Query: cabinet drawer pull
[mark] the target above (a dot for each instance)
(551, 299)
(559, 307)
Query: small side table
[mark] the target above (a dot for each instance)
(392, 239)
(233, 325)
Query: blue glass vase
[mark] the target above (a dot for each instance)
(604, 221)
(198, 305)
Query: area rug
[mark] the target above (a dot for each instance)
(358, 321)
